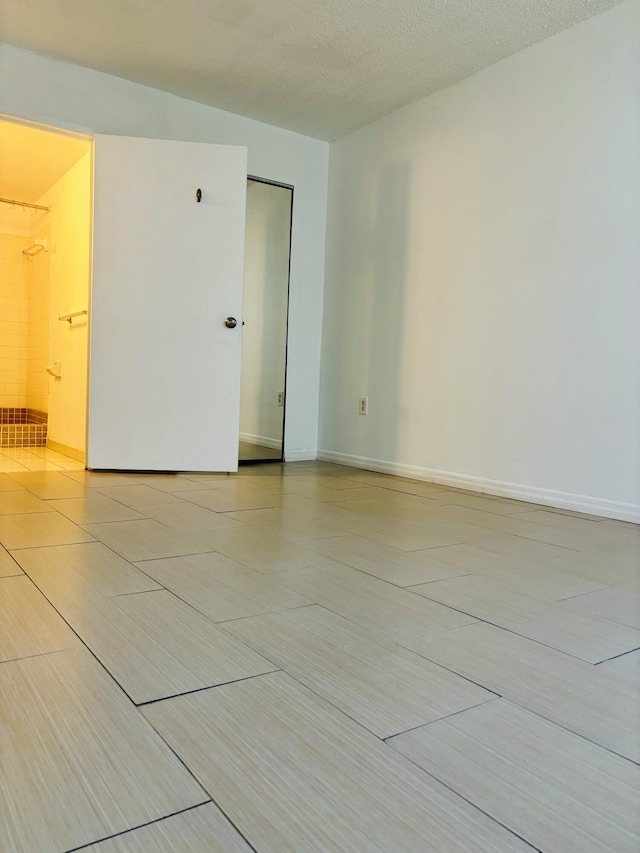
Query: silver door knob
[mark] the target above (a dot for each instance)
(231, 322)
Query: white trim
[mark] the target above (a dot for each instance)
(300, 455)
(534, 494)
(262, 440)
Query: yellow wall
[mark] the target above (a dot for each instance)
(37, 385)
(70, 223)
(13, 321)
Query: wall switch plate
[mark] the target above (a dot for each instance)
(281, 398)
(363, 405)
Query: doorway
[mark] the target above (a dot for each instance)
(45, 244)
(265, 320)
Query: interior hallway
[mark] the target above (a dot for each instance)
(313, 657)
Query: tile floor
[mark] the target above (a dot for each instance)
(308, 657)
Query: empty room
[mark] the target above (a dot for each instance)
(319, 426)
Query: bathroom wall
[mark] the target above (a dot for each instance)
(264, 335)
(70, 228)
(38, 284)
(13, 318)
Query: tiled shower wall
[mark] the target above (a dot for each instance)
(37, 380)
(13, 321)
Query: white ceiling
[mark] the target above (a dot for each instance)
(321, 67)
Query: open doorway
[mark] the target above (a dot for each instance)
(45, 245)
(265, 318)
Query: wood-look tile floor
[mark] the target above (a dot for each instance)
(309, 657)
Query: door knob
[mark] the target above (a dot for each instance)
(231, 322)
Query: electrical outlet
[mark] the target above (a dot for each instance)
(363, 405)
(281, 398)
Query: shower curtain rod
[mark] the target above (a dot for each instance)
(24, 204)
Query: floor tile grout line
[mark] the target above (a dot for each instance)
(525, 636)
(582, 594)
(38, 654)
(566, 728)
(494, 698)
(117, 684)
(616, 657)
(139, 826)
(467, 800)
(147, 702)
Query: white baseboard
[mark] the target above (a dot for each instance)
(547, 497)
(300, 455)
(262, 440)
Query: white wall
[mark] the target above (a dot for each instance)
(483, 278)
(264, 334)
(64, 95)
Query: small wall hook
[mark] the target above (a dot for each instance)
(198, 195)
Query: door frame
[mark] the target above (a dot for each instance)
(291, 188)
(90, 139)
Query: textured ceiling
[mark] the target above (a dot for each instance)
(321, 67)
(32, 160)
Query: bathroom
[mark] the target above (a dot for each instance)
(45, 225)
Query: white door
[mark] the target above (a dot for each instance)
(167, 271)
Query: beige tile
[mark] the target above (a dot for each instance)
(385, 609)
(82, 756)
(258, 549)
(203, 829)
(626, 666)
(618, 605)
(484, 503)
(324, 481)
(527, 577)
(602, 568)
(143, 540)
(577, 696)
(14, 503)
(396, 506)
(592, 538)
(10, 466)
(9, 485)
(322, 493)
(292, 773)
(565, 522)
(589, 638)
(509, 544)
(155, 645)
(221, 501)
(380, 685)
(221, 588)
(137, 495)
(28, 623)
(94, 509)
(403, 535)
(623, 531)
(187, 517)
(101, 479)
(36, 529)
(8, 566)
(547, 785)
(389, 564)
(172, 483)
(49, 485)
(74, 573)
(285, 524)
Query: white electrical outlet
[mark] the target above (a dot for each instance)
(281, 398)
(363, 405)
